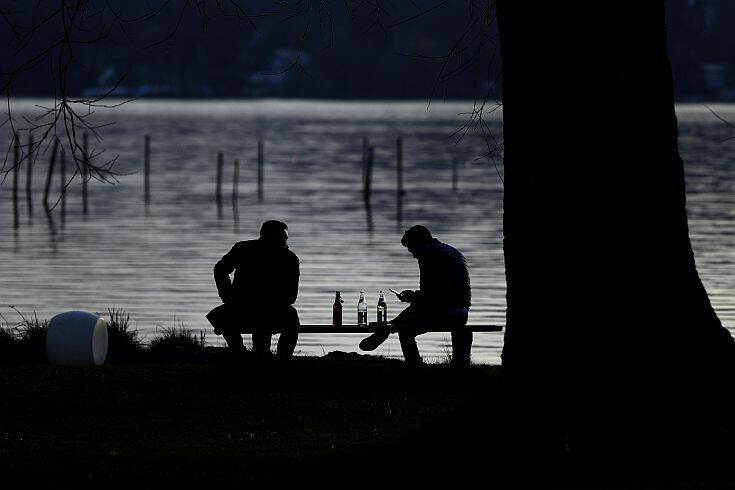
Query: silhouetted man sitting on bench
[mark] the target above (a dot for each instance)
(443, 298)
(262, 294)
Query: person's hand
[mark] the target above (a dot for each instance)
(407, 295)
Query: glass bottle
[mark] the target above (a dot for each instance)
(362, 311)
(337, 310)
(382, 309)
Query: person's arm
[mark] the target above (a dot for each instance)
(222, 271)
(293, 282)
(408, 295)
(418, 296)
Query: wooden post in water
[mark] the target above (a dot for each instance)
(29, 175)
(260, 170)
(218, 191)
(365, 146)
(368, 173)
(16, 165)
(399, 166)
(147, 169)
(369, 216)
(399, 180)
(62, 189)
(85, 171)
(235, 180)
(455, 174)
(49, 174)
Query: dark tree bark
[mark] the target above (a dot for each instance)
(604, 300)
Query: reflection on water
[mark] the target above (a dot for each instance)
(156, 261)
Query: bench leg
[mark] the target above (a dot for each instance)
(461, 347)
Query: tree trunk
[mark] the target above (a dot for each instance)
(603, 294)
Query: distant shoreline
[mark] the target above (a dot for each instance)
(335, 100)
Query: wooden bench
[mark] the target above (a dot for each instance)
(308, 328)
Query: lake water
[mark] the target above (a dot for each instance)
(156, 263)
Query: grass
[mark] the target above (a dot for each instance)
(447, 348)
(124, 343)
(341, 419)
(32, 339)
(7, 342)
(310, 420)
(190, 415)
(177, 344)
(24, 341)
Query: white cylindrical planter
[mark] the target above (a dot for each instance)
(77, 338)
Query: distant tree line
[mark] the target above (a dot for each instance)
(318, 49)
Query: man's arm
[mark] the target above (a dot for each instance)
(222, 271)
(408, 295)
(293, 282)
(414, 296)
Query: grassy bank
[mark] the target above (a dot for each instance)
(23, 342)
(234, 423)
(174, 412)
(338, 420)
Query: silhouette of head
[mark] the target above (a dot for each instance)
(415, 237)
(274, 232)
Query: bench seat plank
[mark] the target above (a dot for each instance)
(309, 328)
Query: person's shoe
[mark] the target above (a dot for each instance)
(375, 340)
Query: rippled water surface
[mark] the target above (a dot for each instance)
(156, 263)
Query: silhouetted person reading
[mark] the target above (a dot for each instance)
(262, 293)
(443, 298)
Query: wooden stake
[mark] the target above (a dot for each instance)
(49, 174)
(369, 216)
(62, 189)
(260, 170)
(365, 146)
(16, 165)
(147, 169)
(399, 166)
(218, 191)
(455, 174)
(235, 180)
(368, 173)
(29, 175)
(399, 180)
(85, 171)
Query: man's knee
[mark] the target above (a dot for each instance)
(287, 317)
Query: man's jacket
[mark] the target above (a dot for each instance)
(266, 275)
(444, 280)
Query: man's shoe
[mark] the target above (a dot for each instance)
(375, 340)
